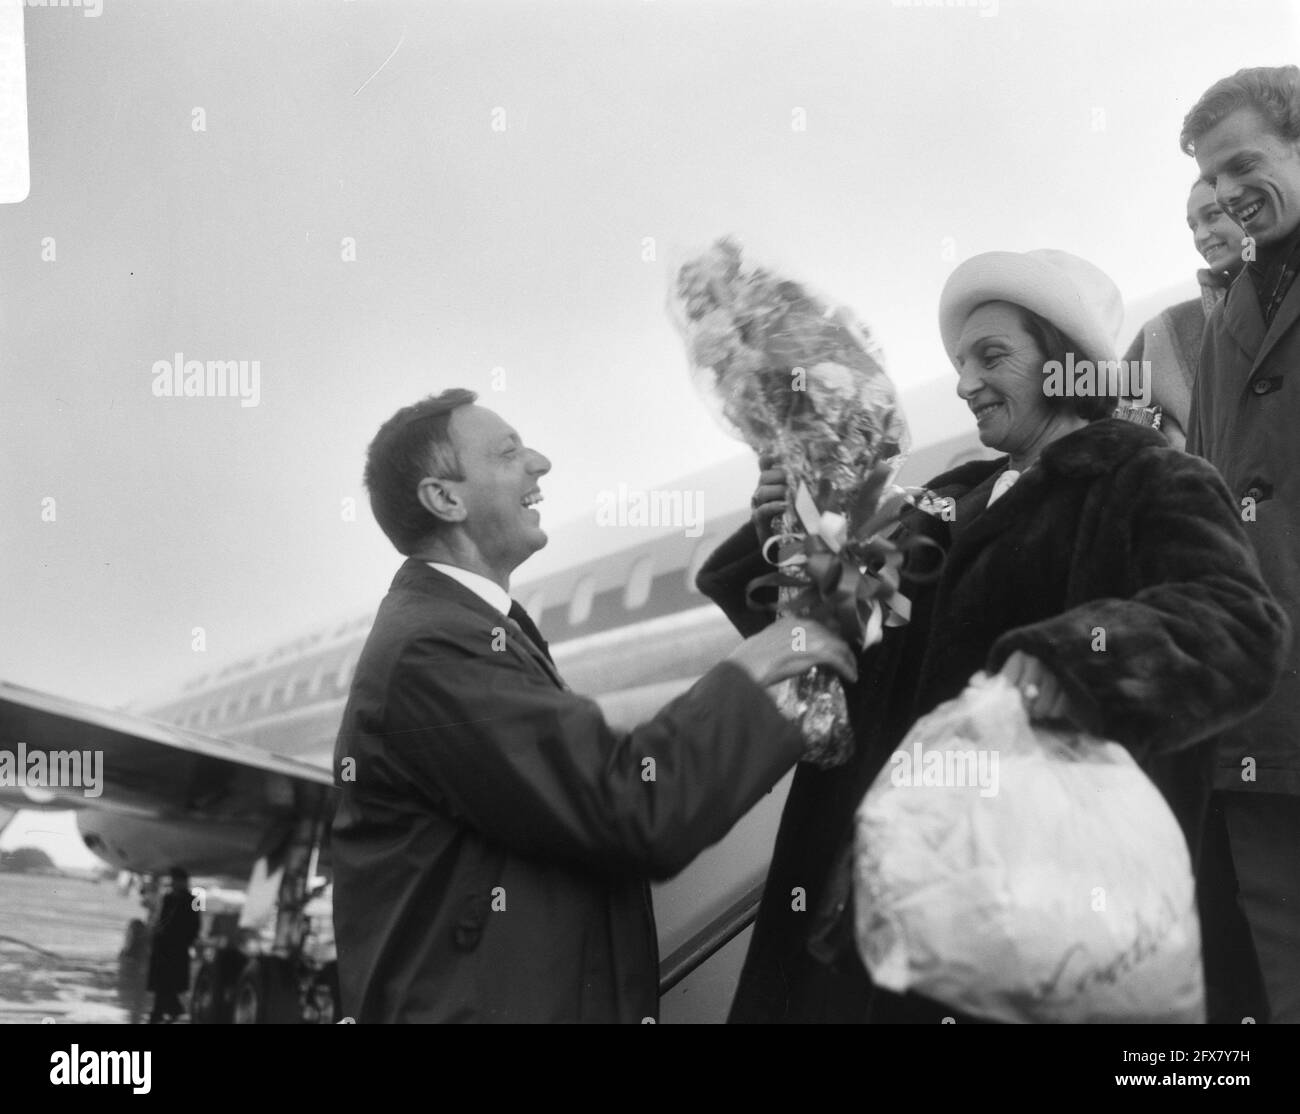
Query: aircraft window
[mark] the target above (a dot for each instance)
(254, 702)
(637, 591)
(277, 696)
(580, 604)
(232, 705)
(706, 545)
(299, 688)
(209, 714)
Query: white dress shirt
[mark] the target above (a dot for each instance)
(1002, 485)
(492, 594)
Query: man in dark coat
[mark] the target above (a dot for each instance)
(1245, 135)
(494, 837)
(174, 930)
(1111, 530)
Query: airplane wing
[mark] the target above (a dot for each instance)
(150, 795)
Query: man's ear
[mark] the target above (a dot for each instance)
(437, 497)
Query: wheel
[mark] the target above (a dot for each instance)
(323, 1001)
(266, 994)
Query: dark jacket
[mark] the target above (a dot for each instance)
(1112, 532)
(1171, 341)
(494, 838)
(1246, 422)
(169, 951)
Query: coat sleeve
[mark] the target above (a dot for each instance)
(727, 573)
(1198, 645)
(537, 770)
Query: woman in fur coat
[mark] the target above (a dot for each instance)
(1087, 524)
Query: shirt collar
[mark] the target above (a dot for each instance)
(1270, 259)
(491, 594)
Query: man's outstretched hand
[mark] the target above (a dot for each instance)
(790, 647)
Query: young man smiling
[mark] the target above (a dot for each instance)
(1244, 133)
(494, 837)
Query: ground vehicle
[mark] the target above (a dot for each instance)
(245, 976)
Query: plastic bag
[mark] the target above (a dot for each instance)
(1025, 875)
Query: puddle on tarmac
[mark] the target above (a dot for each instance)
(60, 945)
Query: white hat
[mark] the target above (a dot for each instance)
(1076, 297)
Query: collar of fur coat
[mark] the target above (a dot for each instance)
(1096, 449)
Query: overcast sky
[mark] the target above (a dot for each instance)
(931, 134)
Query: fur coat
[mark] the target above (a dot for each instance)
(1110, 532)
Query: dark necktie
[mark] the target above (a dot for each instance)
(533, 641)
(1273, 279)
(520, 616)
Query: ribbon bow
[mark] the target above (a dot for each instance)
(849, 570)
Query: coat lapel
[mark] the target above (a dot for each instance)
(1287, 313)
(535, 652)
(419, 576)
(1244, 322)
(984, 523)
(1094, 450)
(968, 486)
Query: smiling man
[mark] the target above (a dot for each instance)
(494, 837)
(1244, 133)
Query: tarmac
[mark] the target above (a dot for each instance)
(60, 941)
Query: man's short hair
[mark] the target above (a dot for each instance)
(1273, 90)
(411, 446)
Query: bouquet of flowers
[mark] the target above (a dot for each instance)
(795, 376)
